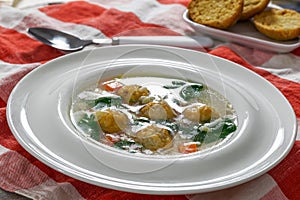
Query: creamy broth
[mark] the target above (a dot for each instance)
(154, 115)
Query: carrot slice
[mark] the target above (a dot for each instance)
(112, 85)
(188, 148)
(112, 138)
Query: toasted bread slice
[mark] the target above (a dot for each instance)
(278, 24)
(219, 14)
(253, 7)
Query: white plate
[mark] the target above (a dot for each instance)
(38, 115)
(245, 33)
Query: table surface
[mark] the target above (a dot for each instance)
(292, 4)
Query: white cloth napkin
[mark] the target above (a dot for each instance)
(7, 2)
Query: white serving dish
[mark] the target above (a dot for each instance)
(38, 115)
(246, 34)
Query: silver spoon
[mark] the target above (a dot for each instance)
(66, 42)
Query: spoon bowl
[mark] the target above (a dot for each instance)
(58, 39)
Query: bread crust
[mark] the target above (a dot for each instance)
(278, 24)
(253, 7)
(220, 14)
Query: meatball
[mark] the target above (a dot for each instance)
(153, 137)
(157, 111)
(132, 93)
(200, 113)
(112, 121)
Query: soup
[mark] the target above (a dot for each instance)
(154, 115)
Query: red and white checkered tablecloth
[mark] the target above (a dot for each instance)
(23, 174)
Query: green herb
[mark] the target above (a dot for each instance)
(214, 131)
(191, 91)
(89, 124)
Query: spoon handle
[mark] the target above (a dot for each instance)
(177, 41)
(196, 42)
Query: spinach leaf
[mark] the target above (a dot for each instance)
(215, 132)
(200, 136)
(123, 144)
(171, 86)
(175, 84)
(173, 126)
(180, 83)
(140, 121)
(225, 127)
(89, 125)
(129, 145)
(108, 101)
(188, 130)
(191, 91)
